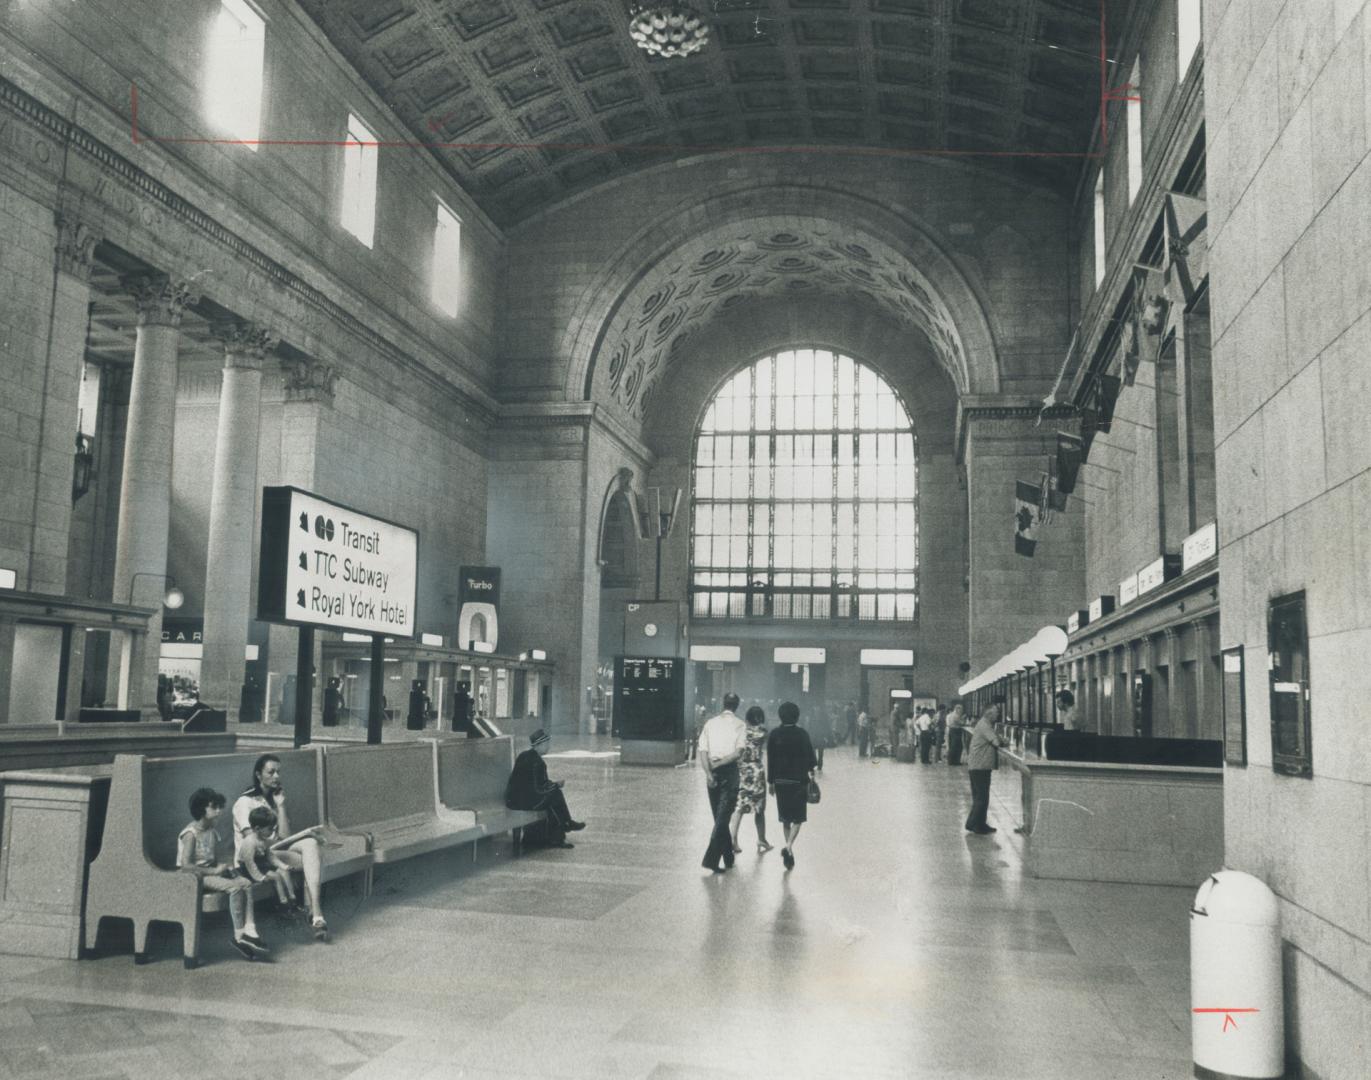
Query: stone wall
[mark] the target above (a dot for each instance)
(1289, 185)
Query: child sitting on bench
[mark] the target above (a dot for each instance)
(258, 858)
(197, 852)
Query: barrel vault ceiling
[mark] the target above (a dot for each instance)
(528, 101)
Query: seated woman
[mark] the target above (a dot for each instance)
(529, 788)
(301, 853)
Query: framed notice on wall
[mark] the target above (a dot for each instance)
(326, 565)
(1234, 707)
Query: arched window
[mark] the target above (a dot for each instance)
(803, 494)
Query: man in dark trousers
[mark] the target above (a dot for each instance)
(982, 760)
(720, 746)
(530, 789)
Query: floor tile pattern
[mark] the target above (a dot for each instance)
(898, 947)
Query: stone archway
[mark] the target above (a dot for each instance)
(677, 276)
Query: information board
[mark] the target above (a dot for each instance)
(324, 564)
(649, 697)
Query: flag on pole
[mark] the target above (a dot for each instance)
(1070, 452)
(1147, 317)
(1187, 246)
(1026, 517)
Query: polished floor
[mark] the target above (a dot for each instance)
(898, 947)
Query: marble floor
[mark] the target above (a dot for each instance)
(898, 947)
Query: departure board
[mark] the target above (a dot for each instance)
(649, 697)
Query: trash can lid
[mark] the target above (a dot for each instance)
(1232, 896)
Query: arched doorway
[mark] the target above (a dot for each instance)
(619, 583)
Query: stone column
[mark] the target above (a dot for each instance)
(1204, 725)
(1175, 698)
(232, 509)
(140, 561)
(66, 352)
(310, 386)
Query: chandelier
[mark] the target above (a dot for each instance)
(669, 29)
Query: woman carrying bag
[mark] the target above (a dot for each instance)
(790, 765)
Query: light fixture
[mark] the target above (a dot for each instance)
(174, 597)
(667, 29)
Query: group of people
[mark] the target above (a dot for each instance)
(743, 763)
(263, 849)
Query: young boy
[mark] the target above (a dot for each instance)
(197, 852)
(259, 861)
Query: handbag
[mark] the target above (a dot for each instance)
(813, 794)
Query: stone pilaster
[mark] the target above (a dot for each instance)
(66, 351)
(140, 562)
(232, 512)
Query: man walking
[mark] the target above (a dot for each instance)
(721, 745)
(981, 762)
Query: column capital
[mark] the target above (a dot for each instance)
(245, 343)
(76, 241)
(308, 379)
(161, 300)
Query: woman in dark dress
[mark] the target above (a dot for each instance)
(790, 765)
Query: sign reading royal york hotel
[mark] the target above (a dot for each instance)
(326, 565)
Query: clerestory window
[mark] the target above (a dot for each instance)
(803, 494)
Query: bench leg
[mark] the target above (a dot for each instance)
(92, 932)
(190, 941)
(140, 941)
(474, 845)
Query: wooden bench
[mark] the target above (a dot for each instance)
(472, 774)
(134, 877)
(389, 794)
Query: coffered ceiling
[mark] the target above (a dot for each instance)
(527, 101)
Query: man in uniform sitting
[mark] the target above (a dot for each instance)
(530, 789)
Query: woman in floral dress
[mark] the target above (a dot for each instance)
(752, 780)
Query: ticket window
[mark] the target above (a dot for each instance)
(534, 691)
(484, 692)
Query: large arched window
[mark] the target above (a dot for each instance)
(803, 496)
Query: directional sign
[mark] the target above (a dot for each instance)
(324, 564)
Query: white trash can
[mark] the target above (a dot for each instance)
(1237, 1000)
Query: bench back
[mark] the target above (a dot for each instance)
(367, 784)
(168, 783)
(472, 773)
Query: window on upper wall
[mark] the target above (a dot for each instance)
(446, 283)
(234, 54)
(1099, 228)
(804, 495)
(1188, 31)
(359, 181)
(1133, 117)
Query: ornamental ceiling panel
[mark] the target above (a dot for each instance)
(525, 102)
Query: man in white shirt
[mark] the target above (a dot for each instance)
(721, 745)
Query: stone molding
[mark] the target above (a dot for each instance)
(162, 198)
(76, 241)
(161, 300)
(245, 343)
(307, 379)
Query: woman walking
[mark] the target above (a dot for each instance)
(790, 765)
(752, 781)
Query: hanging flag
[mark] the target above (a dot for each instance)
(1147, 321)
(1026, 499)
(1187, 246)
(1070, 452)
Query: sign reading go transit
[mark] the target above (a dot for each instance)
(324, 564)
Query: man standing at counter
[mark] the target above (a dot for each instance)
(981, 762)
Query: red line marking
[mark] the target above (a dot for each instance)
(418, 144)
(434, 125)
(1225, 1010)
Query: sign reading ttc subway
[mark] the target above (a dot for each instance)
(324, 564)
